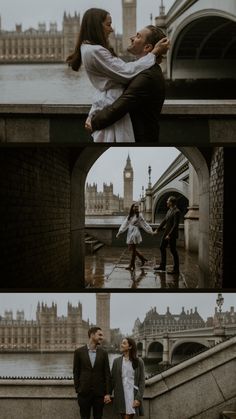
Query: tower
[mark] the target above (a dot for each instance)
(103, 314)
(129, 21)
(71, 27)
(128, 184)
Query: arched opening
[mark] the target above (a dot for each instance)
(155, 350)
(160, 209)
(90, 154)
(204, 47)
(186, 350)
(140, 348)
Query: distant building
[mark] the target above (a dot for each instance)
(48, 332)
(106, 202)
(225, 318)
(155, 323)
(45, 45)
(129, 14)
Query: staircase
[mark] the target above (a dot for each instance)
(92, 245)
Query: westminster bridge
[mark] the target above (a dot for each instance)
(202, 35)
(175, 346)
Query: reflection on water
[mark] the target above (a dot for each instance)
(48, 83)
(45, 365)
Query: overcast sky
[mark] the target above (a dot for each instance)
(125, 307)
(109, 167)
(31, 12)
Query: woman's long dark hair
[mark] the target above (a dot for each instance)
(132, 352)
(91, 31)
(131, 212)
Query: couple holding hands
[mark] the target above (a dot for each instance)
(94, 382)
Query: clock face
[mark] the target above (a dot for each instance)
(128, 175)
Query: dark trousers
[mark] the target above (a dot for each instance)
(163, 245)
(88, 402)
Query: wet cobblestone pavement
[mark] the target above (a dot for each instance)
(106, 269)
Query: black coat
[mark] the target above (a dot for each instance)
(87, 378)
(171, 223)
(143, 100)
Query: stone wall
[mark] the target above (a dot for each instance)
(216, 216)
(35, 217)
(199, 388)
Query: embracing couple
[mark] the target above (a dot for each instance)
(129, 95)
(94, 383)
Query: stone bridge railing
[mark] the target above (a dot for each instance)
(199, 388)
(204, 121)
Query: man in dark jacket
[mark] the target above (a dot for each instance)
(170, 235)
(144, 96)
(92, 377)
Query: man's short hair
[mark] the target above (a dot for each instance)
(155, 34)
(93, 330)
(172, 199)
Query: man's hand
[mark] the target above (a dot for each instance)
(136, 403)
(88, 125)
(161, 47)
(107, 399)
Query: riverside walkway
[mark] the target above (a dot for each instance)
(106, 269)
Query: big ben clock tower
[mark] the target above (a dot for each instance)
(128, 184)
(129, 8)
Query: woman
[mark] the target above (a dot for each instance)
(108, 74)
(128, 381)
(133, 223)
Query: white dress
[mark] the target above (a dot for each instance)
(109, 75)
(128, 385)
(133, 226)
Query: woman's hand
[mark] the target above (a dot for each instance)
(107, 399)
(117, 235)
(136, 403)
(88, 125)
(161, 47)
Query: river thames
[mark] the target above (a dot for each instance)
(47, 365)
(44, 83)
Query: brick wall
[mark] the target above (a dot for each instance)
(216, 216)
(35, 217)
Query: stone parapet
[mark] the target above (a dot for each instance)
(205, 122)
(199, 388)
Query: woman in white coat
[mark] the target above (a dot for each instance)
(108, 73)
(133, 223)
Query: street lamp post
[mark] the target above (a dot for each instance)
(220, 302)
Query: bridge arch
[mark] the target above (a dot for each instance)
(159, 205)
(155, 350)
(80, 170)
(140, 348)
(203, 46)
(184, 349)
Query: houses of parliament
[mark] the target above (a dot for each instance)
(106, 202)
(51, 45)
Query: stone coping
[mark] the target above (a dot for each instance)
(171, 107)
(201, 365)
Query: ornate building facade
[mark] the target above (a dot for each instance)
(45, 45)
(155, 323)
(106, 202)
(48, 332)
(40, 45)
(103, 314)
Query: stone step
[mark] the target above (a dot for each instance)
(92, 245)
(228, 414)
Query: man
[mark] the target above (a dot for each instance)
(144, 96)
(92, 377)
(171, 224)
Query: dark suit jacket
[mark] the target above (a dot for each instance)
(143, 100)
(88, 379)
(171, 223)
